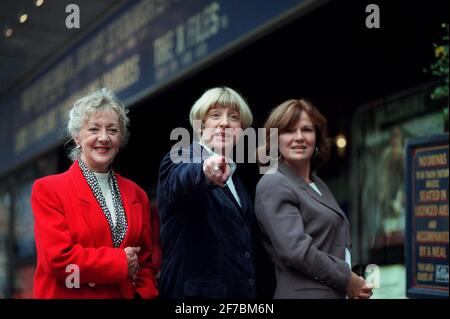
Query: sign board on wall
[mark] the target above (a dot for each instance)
(143, 46)
(427, 173)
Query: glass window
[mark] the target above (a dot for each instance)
(5, 204)
(23, 283)
(378, 164)
(24, 223)
(24, 251)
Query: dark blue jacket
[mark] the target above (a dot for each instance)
(205, 235)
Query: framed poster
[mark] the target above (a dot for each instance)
(426, 175)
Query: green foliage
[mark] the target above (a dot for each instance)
(440, 69)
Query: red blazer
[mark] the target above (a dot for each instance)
(71, 229)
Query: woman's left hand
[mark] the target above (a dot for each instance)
(365, 292)
(133, 262)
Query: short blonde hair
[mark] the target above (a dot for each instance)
(221, 96)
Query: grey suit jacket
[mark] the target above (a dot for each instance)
(305, 234)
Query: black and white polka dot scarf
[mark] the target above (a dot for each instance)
(119, 230)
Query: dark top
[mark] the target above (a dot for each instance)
(206, 236)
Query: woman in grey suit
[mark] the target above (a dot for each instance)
(306, 232)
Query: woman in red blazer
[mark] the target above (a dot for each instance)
(95, 235)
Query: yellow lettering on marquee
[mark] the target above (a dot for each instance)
(433, 160)
(430, 196)
(443, 210)
(430, 174)
(432, 183)
(437, 252)
(442, 173)
(425, 276)
(432, 236)
(426, 210)
(432, 224)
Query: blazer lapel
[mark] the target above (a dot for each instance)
(326, 199)
(246, 207)
(227, 196)
(90, 208)
(243, 196)
(199, 153)
(133, 213)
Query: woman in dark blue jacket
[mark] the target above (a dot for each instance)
(206, 214)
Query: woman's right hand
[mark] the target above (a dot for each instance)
(357, 288)
(216, 169)
(133, 262)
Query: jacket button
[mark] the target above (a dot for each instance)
(251, 281)
(247, 254)
(91, 284)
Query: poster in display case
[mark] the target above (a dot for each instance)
(379, 132)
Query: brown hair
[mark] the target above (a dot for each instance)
(286, 115)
